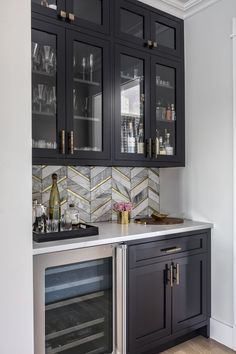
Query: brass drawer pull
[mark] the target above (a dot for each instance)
(71, 17)
(171, 250)
(62, 142)
(62, 14)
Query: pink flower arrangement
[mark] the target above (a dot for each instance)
(122, 206)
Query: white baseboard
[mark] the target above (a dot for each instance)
(222, 333)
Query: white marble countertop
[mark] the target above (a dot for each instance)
(111, 232)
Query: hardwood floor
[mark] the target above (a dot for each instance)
(199, 345)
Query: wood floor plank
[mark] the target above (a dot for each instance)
(200, 345)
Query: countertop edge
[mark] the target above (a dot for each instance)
(86, 242)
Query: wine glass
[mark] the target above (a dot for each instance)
(35, 55)
(41, 96)
(46, 55)
(52, 61)
(91, 64)
(83, 67)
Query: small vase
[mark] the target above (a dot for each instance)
(123, 217)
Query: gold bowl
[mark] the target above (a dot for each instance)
(159, 216)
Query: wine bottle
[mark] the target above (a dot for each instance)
(54, 200)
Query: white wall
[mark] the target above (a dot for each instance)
(16, 308)
(204, 189)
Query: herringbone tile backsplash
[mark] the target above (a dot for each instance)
(94, 190)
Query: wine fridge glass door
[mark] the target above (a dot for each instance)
(75, 308)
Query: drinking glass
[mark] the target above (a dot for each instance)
(46, 55)
(91, 64)
(83, 67)
(35, 55)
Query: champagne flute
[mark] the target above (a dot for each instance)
(46, 51)
(35, 55)
(83, 67)
(41, 96)
(91, 64)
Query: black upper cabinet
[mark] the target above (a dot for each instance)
(151, 30)
(89, 14)
(107, 84)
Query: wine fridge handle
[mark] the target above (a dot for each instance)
(62, 142)
(121, 278)
(71, 142)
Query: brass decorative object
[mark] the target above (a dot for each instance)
(123, 217)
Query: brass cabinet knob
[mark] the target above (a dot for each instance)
(62, 14)
(71, 17)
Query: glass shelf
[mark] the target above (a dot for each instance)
(91, 119)
(87, 82)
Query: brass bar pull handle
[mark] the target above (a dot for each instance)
(62, 14)
(156, 148)
(177, 274)
(71, 17)
(71, 143)
(171, 276)
(171, 250)
(62, 142)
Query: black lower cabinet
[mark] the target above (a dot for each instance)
(168, 296)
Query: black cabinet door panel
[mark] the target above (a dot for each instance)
(190, 296)
(166, 33)
(48, 90)
(88, 96)
(149, 304)
(90, 14)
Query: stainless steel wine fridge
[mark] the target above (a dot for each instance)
(80, 301)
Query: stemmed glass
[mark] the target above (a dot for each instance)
(54, 99)
(52, 61)
(83, 67)
(35, 55)
(46, 54)
(41, 96)
(91, 64)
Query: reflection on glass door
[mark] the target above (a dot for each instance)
(87, 97)
(89, 10)
(50, 4)
(132, 104)
(78, 308)
(44, 90)
(165, 36)
(165, 110)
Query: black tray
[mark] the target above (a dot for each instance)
(82, 230)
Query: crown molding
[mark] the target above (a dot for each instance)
(180, 9)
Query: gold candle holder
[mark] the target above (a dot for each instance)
(123, 217)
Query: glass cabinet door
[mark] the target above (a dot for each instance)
(78, 308)
(132, 22)
(48, 7)
(167, 109)
(130, 107)
(91, 14)
(47, 110)
(88, 100)
(165, 33)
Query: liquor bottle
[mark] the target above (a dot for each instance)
(162, 147)
(158, 111)
(131, 139)
(168, 112)
(54, 200)
(140, 143)
(172, 112)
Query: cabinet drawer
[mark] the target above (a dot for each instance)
(146, 253)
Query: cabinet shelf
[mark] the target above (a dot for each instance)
(165, 87)
(43, 114)
(86, 82)
(43, 73)
(89, 119)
